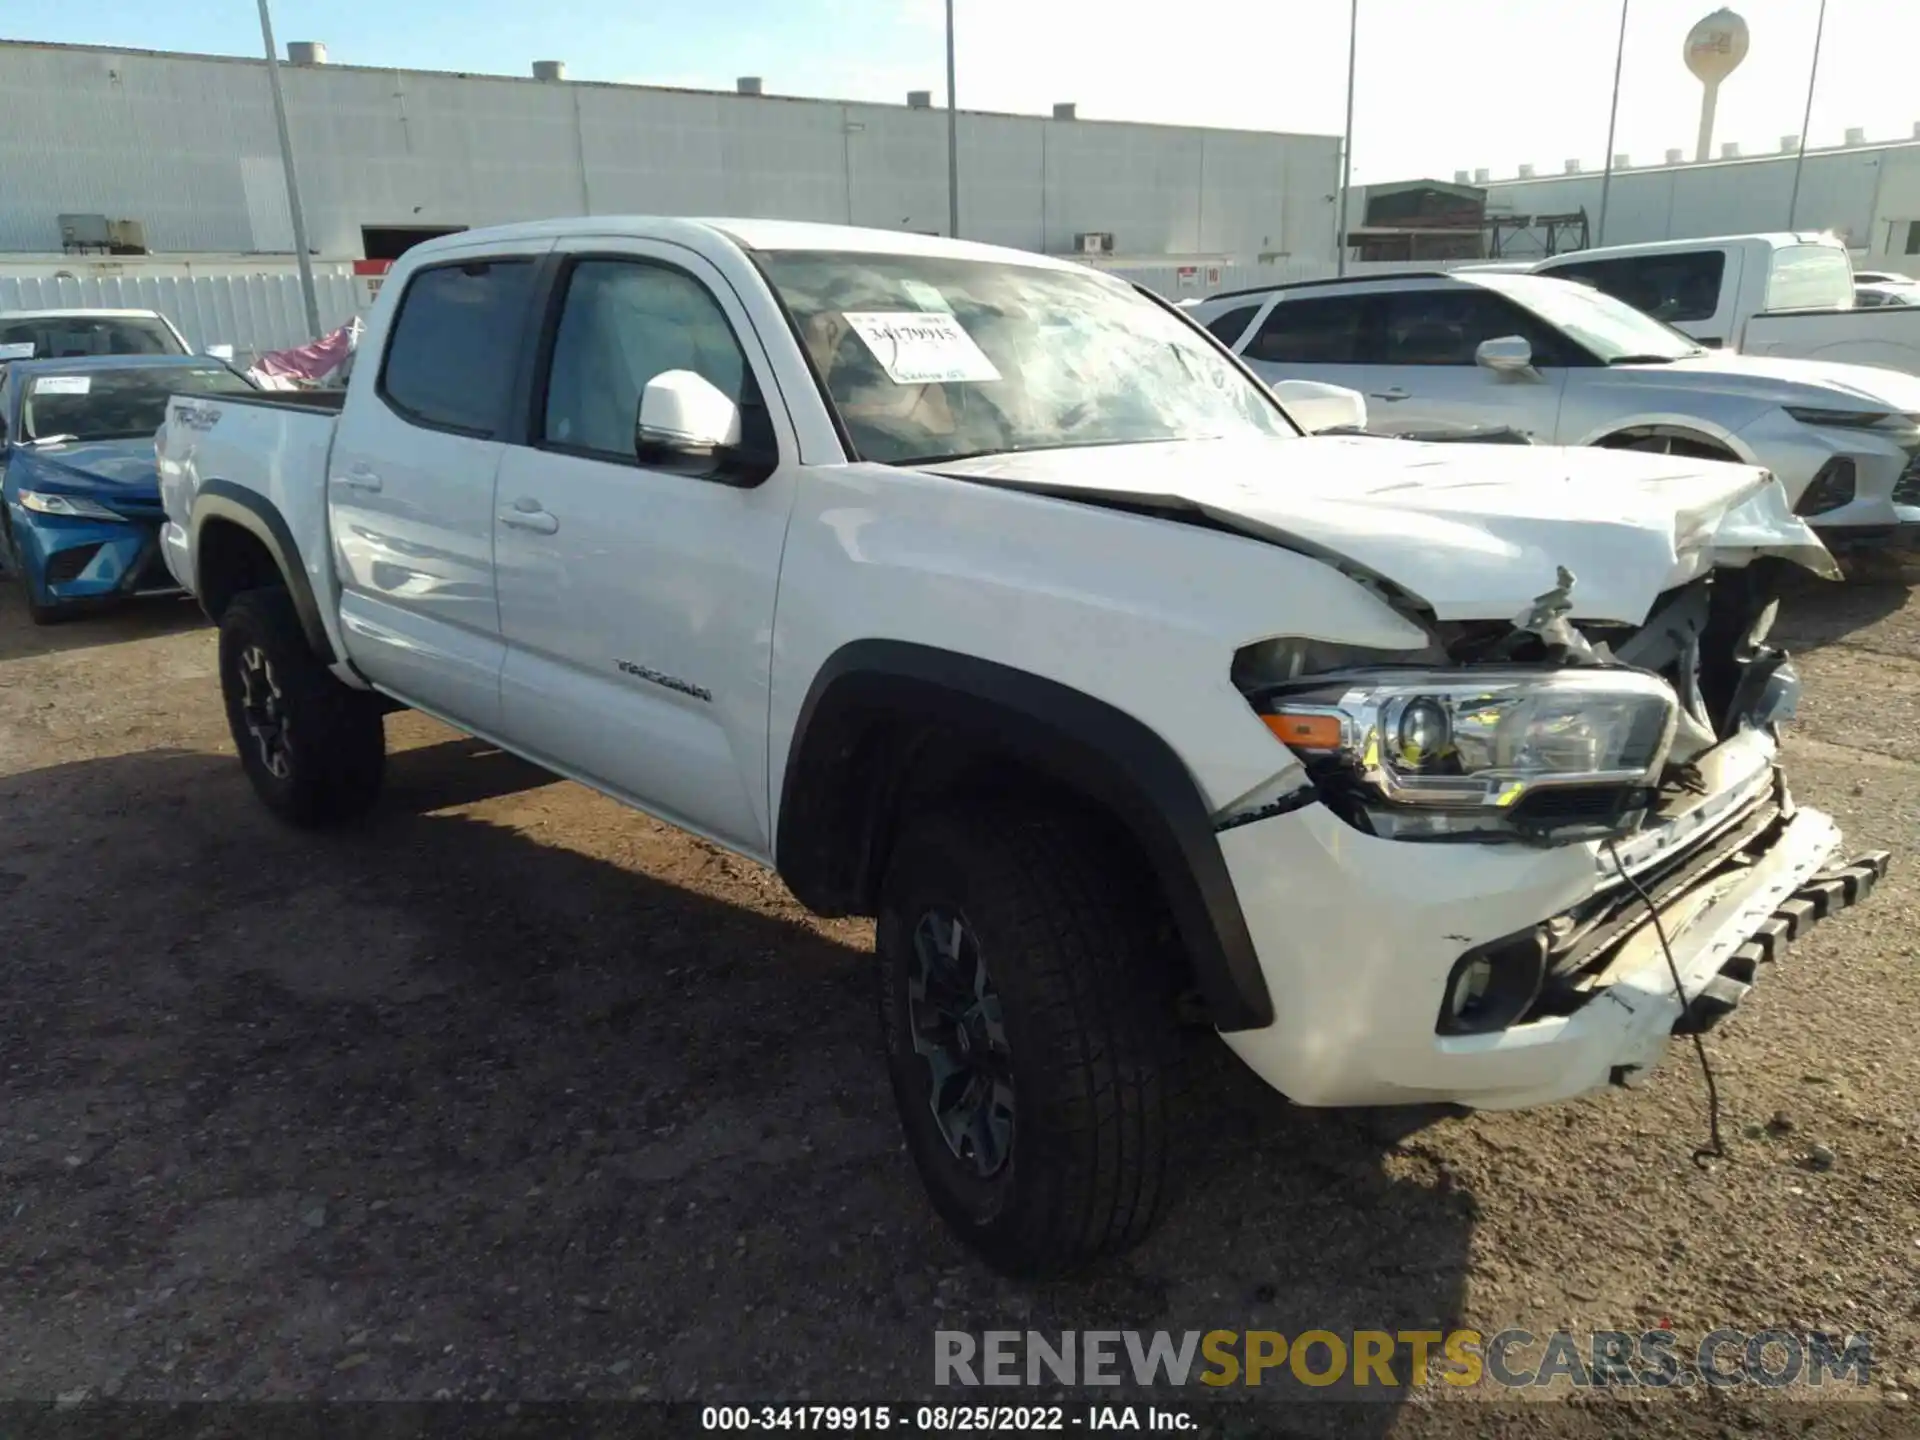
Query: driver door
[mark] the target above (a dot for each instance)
(1425, 378)
(636, 603)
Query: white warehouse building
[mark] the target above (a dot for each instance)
(184, 147)
(1868, 194)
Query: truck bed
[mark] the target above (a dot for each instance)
(273, 445)
(328, 400)
(1888, 336)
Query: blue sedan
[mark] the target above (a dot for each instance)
(79, 490)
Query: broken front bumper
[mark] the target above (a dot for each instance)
(1359, 939)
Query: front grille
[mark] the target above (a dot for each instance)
(1906, 490)
(64, 565)
(152, 575)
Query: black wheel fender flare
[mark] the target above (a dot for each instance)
(832, 816)
(254, 513)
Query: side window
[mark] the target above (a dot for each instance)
(1446, 327)
(451, 354)
(624, 322)
(1311, 331)
(1685, 286)
(1231, 326)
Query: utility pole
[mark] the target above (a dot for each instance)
(1342, 200)
(1800, 159)
(293, 184)
(1613, 118)
(953, 139)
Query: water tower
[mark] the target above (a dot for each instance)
(1715, 48)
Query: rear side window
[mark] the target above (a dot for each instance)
(1311, 332)
(1673, 288)
(1810, 277)
(451, 355)
(1229, 327)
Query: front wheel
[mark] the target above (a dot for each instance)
(314, 748)
(1032, 1040)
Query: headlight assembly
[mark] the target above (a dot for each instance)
(70, 507)
(1544, 756)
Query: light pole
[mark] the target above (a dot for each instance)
(1341, 200)
(1613, 118)
(953, 139)
(293, 184)
(1800, 158)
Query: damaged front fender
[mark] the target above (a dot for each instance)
(1761, 525)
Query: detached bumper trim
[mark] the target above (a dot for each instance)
(1823, 896)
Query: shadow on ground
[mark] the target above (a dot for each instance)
(86, 628)
(439, 1105)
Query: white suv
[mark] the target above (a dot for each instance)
(1564, 363)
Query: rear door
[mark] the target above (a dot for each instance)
(637, 601)
(1428, 381)
(410, 484)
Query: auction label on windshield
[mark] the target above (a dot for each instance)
(916, 347)
(64, 385)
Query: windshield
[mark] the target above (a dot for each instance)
(65, 337)
(116, 404)
(1610, 328)
(932, 358)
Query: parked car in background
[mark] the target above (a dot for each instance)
(79, 497)
(1788, 295)
(72, 334)
(1567, 364)
(1868, 296)
(1882, 277)
(976, 592)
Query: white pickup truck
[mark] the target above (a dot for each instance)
(1789, 295)
(976, 592)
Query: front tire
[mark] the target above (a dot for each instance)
(314, 748)
(1029, 1013)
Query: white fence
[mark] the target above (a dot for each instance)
(254, 313)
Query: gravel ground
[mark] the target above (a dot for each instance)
(513, 1094)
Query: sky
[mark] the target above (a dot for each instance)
(1442, 84)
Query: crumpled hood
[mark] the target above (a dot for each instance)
(1820, 384)
(126, 468)
(1475, 532)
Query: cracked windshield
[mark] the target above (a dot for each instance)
(938, 359)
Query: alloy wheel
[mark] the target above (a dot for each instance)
(959, 1030)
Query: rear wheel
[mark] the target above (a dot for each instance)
(1032, 1043)
(314, 748)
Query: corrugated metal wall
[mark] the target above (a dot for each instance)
(253, 313)
(1855, 192)
(186, 145)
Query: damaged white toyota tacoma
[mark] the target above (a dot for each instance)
(975, 592)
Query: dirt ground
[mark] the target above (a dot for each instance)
(512, 1094)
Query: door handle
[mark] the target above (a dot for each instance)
(359, 476)
(1396, 393)
(526, 514)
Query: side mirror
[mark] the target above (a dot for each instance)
(1321, 409)
(687, 423)
(220, 352)
(1507, 355)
